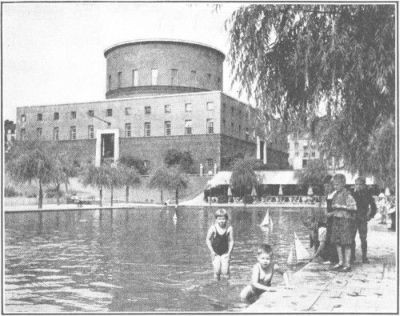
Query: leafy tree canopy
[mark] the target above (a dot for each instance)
(243, 177)
(315, 173)
(136, 163)
(294, 59)
(183, 160)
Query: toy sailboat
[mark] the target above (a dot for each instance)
(297, 252)
(267, 221)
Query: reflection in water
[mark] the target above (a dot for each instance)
(133, 260)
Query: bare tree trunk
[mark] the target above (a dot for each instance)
(176, 196)
(40, 200)
(127, 194)
(58, 194)
(161, 197)
(101, 196)
(112, 195)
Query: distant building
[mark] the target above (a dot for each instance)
(302, 149)
(161, 94)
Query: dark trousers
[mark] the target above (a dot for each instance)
(330, 249)
(362, 228)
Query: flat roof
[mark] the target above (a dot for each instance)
(160, 40)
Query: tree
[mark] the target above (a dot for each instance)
(136, 163)
(170, 179)
(291, 59)
(129, 177)
(314, 173)
(96, 177)
(243, 177)
(175, 158)
(30, 161)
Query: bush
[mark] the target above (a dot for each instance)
(248, 199)
(52, 193)
(222, 199)
(9, 191)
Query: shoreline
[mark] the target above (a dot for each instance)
(90, 207)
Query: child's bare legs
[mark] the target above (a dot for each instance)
(247, 293)
(225, 265)
(340, 255)
(216, 261)
(347, 256)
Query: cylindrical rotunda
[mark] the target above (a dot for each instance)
(151, 67)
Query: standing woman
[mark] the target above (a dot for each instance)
(343, 224)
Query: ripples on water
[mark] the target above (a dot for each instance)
(133, 260)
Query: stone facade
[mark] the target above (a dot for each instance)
(154, 115)
(144, 66)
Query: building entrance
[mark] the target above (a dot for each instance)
(107, 147)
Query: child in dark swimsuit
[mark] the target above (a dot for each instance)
(262, 274)
(220, 243)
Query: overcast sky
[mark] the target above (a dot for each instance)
(53, 52)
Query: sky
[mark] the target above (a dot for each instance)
(53, 52)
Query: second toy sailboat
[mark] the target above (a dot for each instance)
(297, 252)
(267, 221)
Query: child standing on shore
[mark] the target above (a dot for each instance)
(220, 243)
(262, 274)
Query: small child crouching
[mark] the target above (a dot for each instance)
(262, 274)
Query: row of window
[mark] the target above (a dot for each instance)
(306, 154)
(154, 77)
(305, 147)
(239, 112)
(128, 130)
(128, 111)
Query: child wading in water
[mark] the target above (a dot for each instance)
(220, 243)
(263, 272)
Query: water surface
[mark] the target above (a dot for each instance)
(134, 260)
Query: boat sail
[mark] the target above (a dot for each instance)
(301, 251)
(267, 221)
(291, 260)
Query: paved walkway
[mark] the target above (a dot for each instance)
(368, 288)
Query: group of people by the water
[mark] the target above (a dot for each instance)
(332, 236)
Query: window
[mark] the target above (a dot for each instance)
(90, 131)
(240, 130)
(296, 154)
(154, 76)
(210, 163)
(210, 106)
(313, 154)
(210, 126)
(128, 111)
(23, 134)
(188, 107)
(56, 116)
(39, 132)
(109, 112)
(193, 75)
(247, 133)
(73, 115)
(304, 163)
(56, 133)
(223, 124)
(233, 110)
(167, 108)
(23, 118)
(305, 155)
(72, 132)
(232, 128)
(147, 129)
(135, 77)
(40, 117)
(91, 113)
(174, 75)
(128, 132)
(305, 147)
(119, 79)
(147, 109)
(296, 145)
(224, 107)
(240, 113)
(109, 82)
(167, 128)
(188, 127)
(219, 81)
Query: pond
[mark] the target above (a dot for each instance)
(136, 260)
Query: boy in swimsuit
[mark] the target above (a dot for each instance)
(220, 243)
(262, 274)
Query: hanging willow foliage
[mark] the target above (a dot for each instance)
(291, 59)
